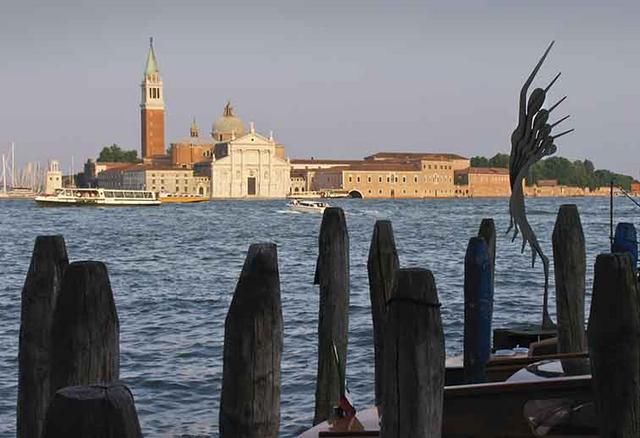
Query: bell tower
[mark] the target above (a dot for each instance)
(152, 108)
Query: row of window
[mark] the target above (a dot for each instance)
(162, 188)
(169, 175)
(392, 192)
(153, 181)
(435, 167)
(394, 179)
(110, 194)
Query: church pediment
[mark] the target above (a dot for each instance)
(252, 139)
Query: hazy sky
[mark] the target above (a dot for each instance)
(331, 78)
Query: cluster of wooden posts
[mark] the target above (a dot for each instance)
(69, 337)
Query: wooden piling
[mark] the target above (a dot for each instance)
(413, 358)
(253, 332)
(41, 289)
(570, 267)
(614, 346)
(332, 274)
(85, 330)
(96, 411)
(382, 265)
(478, 310)
(488, 232)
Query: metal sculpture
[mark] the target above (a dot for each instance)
(530, 142)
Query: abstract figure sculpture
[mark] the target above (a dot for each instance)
(530, 142)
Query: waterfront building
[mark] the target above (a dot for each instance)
(113, 178)
(379, 176)
(250, 166)
(177, 181)
(478, 182)
(635, 188)
(303, 172)
(457, 162)
(152, 109)
(53, 178)
(551, 188)
(92, 168)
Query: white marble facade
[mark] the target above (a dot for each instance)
(249, 167)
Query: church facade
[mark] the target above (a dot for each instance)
(239, 164)
(249, 166)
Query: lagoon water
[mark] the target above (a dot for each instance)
(173, 270)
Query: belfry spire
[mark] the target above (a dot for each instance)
(194, 132)
(152, 63)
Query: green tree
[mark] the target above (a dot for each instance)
(498, 160)
(479, 162)
(577, 173)
(115, 154)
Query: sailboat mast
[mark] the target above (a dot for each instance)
(73, 179)
(4, 175)
(13, 165)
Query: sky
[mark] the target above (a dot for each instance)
(331, 78)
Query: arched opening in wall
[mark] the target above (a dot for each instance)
(201, 191)
(355, 194)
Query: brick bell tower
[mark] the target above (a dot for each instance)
(152, 108)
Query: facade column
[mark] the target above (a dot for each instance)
(271, 153)
(233, 168)
(243, 192)
(260, 173)
(211, 181)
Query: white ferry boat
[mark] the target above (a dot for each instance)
(308, 206)
(100, 197)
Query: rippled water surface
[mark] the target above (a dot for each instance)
(173, 270)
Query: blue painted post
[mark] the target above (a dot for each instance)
(478, 310)
(626, 240)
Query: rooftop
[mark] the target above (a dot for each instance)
(322, 161)
(414, 156)
(486, 170)
(141, 166)
(364, 166)
(194, 141)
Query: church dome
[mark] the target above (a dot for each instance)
(227, 125)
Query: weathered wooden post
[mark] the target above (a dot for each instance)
(626, 240)
(332, 274)
(95, 411)
(614, 346)
(85, 330)
(382, 266)
(570, 266)
(478, 310)
(488, 232)
(39, 295)
(413, 358)
(253, 332)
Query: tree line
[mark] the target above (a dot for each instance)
(115, 154)
(569, 173)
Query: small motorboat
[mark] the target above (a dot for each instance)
(308, 206)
